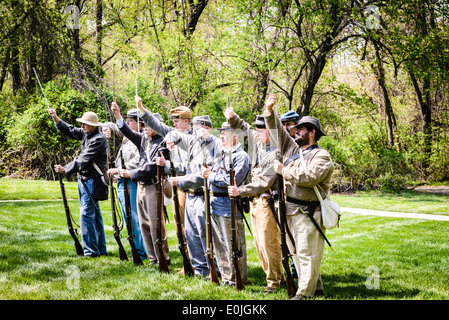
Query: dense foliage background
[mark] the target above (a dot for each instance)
(374, 72)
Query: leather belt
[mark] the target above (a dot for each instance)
(199, 192)
(219, 194)
(147, 183)
(303, 202)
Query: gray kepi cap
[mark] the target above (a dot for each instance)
(202, 120)
(260, 121)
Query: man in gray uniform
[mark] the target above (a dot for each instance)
(148, 144)
(200, 147)
(219, 180)
(131, 158)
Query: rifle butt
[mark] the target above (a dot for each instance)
(78, 247)
(213, 271)
(238, 277)
(188, 269)
(163, 264)
(291, 286)
(187, 266)
(136, 257)
(121, 251)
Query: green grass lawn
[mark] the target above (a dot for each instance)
(376, 257)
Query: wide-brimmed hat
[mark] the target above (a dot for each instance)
(90, 118)
(181, 112)
(311, 122)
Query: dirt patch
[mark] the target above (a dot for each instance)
(433, 189)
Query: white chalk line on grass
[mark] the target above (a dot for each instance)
(396, 214)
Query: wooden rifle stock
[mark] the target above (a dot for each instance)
(235, 251)
(291, 286)
(210, 248)
(121, 251)
(163, 264)
(129, 222)
(78, 247)
(188, 269)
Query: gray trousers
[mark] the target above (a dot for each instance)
(221, 239)
(147, 211)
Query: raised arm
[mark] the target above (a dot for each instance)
(161, 128)
(135, 137)
(278, 135)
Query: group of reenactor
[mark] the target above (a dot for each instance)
(204, 163)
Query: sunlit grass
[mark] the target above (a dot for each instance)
(38, 258)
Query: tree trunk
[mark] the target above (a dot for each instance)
(15, 69)
(391, 119)
(99, 24)
(426, 113)
(316, 68)
(4, 68)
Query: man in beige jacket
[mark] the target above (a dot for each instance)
(300, 196)
(266, 232)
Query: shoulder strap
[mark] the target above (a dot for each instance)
(97, 168)
(291, 159)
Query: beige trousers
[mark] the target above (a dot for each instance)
(147, 211)
(309, 251)
(267, 238)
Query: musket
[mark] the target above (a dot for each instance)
(188, 269)
(210, 248)
(129, 222)
(291, 286)
(163, 264)
(121, 251)
(72, 231)
(236, 253)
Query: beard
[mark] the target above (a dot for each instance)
(302, 141)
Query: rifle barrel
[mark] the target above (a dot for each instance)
(188, 269)
(235, 252)
(291, 286)
(121, 251)
(210, 250)
(129, 222)
(163, 264)
(78, 247)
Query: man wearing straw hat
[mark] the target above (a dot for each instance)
(93, 153)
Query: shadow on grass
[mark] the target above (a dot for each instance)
(353, 286)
